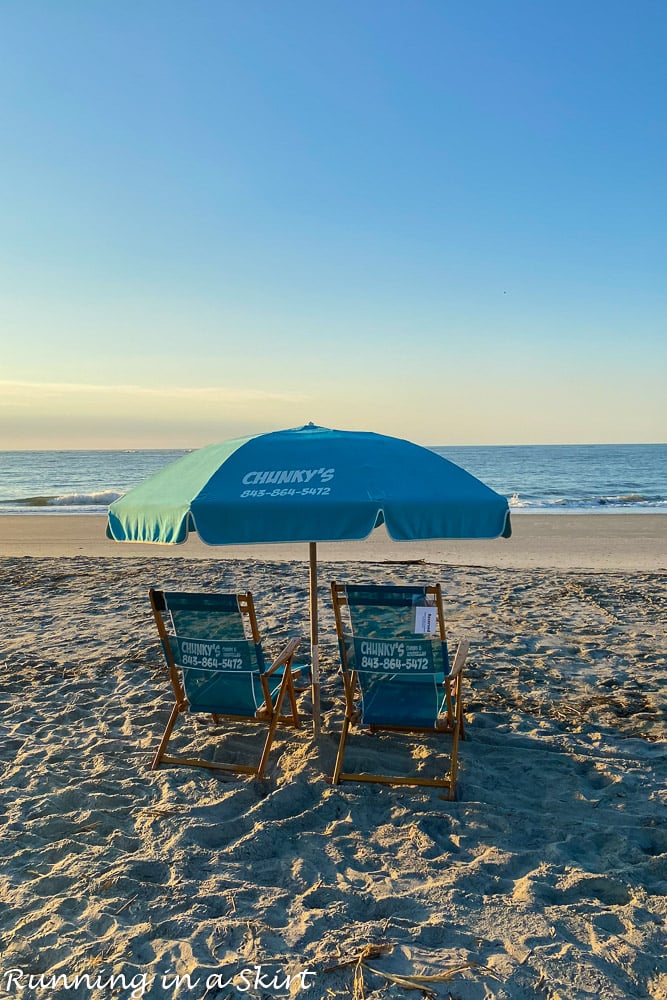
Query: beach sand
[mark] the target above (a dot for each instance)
(583, 541)
(546, 878)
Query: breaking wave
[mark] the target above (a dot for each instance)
(99, 501)
(626, 502)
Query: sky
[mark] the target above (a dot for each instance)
(436, 219)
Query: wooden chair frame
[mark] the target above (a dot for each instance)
(451, 723)
(269, 714)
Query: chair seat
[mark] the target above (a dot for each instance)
(412, 700)
(229, 695)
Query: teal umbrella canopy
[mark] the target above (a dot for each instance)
(309, 484)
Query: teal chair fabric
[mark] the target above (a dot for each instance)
(392, 660)
(396, 667)
(221, 665)
(217, 666)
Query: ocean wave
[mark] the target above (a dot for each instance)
(516, 502)
(630, 501)
(635, 498)
(101, 499)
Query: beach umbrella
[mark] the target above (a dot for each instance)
(309, 484)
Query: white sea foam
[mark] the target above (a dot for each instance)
(102, 499)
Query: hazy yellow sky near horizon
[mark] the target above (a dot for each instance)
(62, 415)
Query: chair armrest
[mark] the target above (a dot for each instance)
(459, 659)
(285, 656)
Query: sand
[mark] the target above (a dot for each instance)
(546, 878)
(584, 541)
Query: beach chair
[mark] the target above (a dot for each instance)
(397, 672)
(217, 666)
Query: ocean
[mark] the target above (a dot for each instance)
(600, 479)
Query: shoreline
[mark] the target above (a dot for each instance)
(618, 542)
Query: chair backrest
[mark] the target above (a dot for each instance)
(393, 612)
(213, 641)
(394, 639)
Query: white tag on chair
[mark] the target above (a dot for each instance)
(425, 620)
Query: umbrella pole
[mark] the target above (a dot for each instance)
(314, 639)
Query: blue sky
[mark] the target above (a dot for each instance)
(442, 220)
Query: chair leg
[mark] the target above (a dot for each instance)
(450, 710)
(293, 719)
(459, 707)
(454, 761)
(175, 712)
(267, 747)
(275, 718)
(341, 750)
(292, 700)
